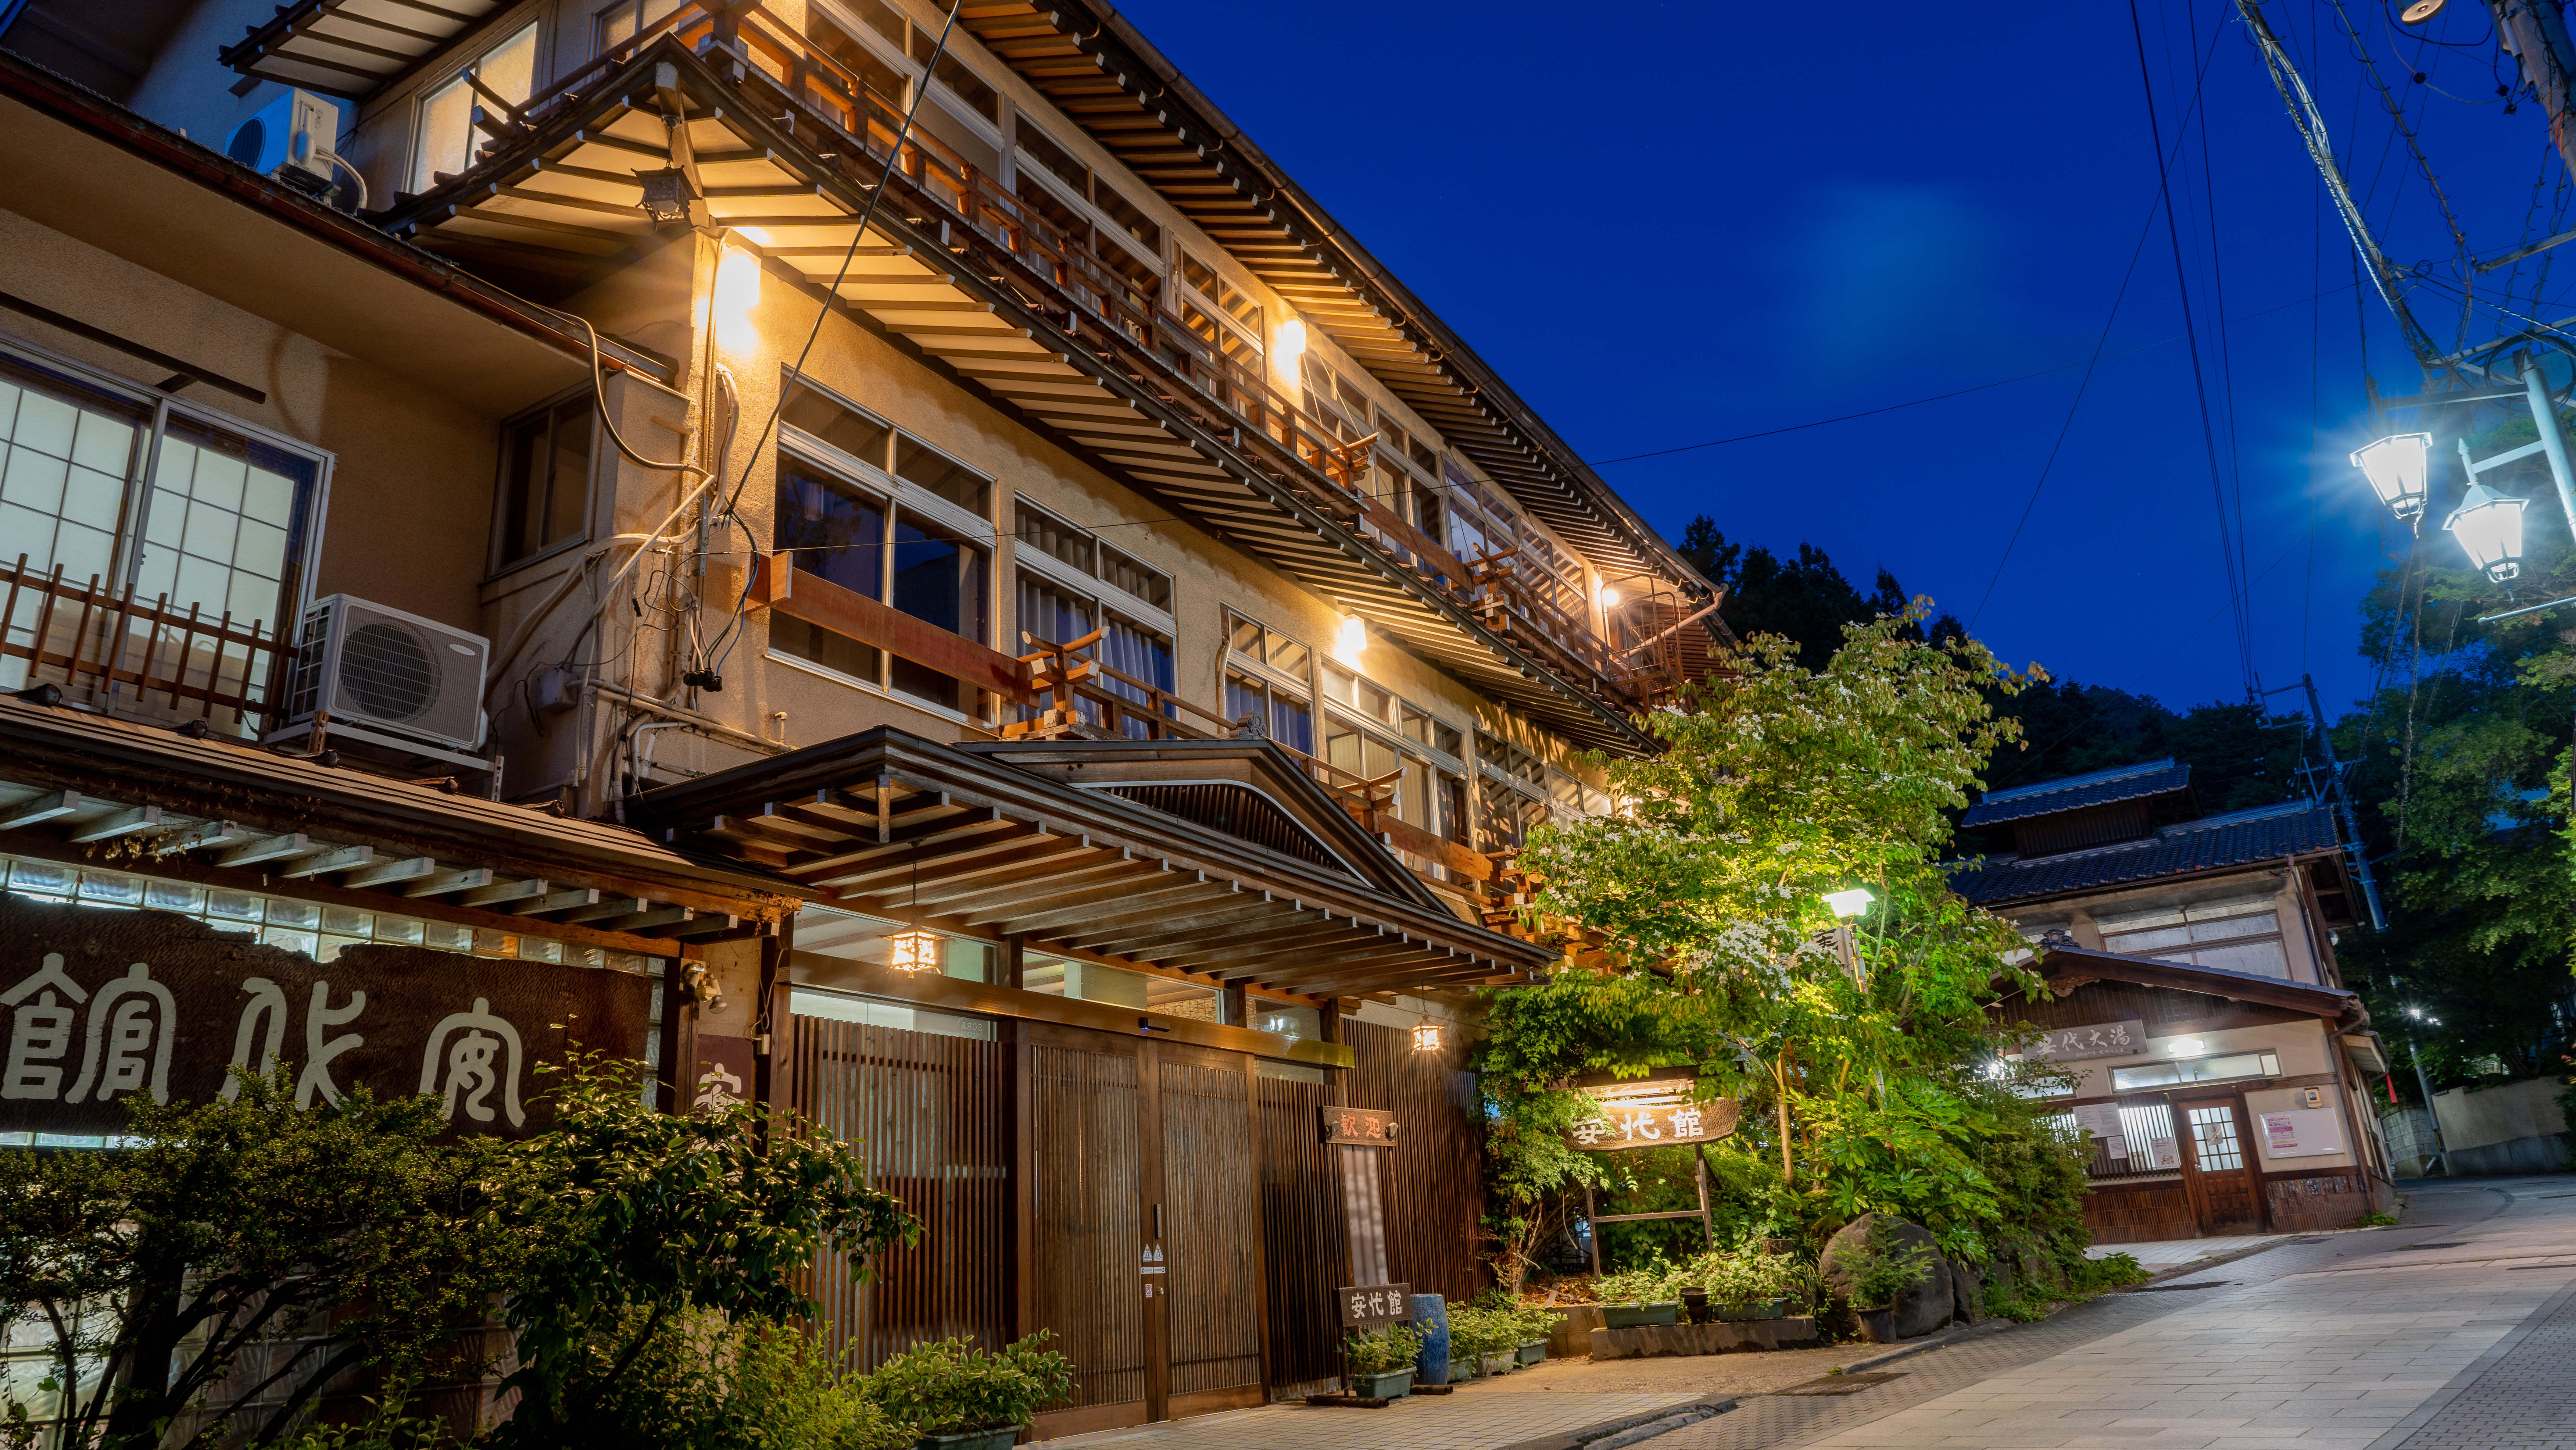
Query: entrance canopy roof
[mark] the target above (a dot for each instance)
(1215, 858)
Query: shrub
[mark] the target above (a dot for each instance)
(1635, 1285)
(2088, 1277)
(1881, 1268)
(1740, 1276)
(1382, 1351)
(946, 1386)
(1475, 1332)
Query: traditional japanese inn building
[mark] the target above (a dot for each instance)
(905, 572)
(2221, 1065)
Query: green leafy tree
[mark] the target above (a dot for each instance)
(1862, 1074)
(651, 1222)
(345, 1237)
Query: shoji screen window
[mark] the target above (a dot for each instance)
(446, 140)
(189, 511)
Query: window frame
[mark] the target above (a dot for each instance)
(899, 494)
(300, 574)
(539, 58)
(501, 567)
(1100, 590)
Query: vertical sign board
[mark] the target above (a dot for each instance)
(1354, 1134)
(98, 1007)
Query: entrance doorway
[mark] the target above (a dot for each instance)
(2218, 1169)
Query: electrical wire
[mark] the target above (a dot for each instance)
(2200, 382)
(796, 372)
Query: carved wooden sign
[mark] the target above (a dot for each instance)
(1374, 1306)
(99, 1005)
(1653, 1113)
(2099, 1039)
(1359, 1127)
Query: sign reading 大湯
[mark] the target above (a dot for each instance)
(98, 1006)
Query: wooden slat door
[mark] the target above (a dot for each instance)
(2218, 1163)
(1088, 1158)
(1213, 1289)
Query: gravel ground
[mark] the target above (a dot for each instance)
(1707, 1374)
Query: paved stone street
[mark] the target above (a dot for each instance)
(2455, 1331)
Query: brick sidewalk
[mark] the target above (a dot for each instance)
(2521, 1395)
(1476, 1420)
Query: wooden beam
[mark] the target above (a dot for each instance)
(816, 600)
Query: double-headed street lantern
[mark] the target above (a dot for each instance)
(2397, 467)
(2488, 525)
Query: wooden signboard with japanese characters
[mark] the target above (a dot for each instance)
(1359, 1127)
(2098, 1039)
(98, 1006)
(1374, 1306)
(1656, 1112)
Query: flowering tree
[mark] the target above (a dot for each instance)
(1865, 1055)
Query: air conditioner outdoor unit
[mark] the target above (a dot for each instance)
(294, 138)
(370, 666)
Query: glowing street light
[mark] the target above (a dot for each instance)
(2489, 526)
(2397, 467)
(1849, 903)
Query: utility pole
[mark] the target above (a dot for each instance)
(2343, 808)
(2536, 33)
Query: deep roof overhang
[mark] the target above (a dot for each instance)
(2066, 968)
(1104, 75)
(962, 839)
(83, 788)
(354, 48)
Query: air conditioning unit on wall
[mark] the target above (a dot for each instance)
(380, 668)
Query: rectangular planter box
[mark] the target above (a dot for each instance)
(1393, 1385)
(1503, 1363)
(1001, 1439)
(1534, 1351)
(1793, 1332)
(1461, 1370)
(1751, 1311)
(1634, 1316)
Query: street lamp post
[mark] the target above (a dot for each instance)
(2424, 1084)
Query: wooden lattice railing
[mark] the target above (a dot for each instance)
(91, 636)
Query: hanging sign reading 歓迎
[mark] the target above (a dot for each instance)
(2101, 1039)
(1359, 1127)
(1652, 1113)
(99, 1006)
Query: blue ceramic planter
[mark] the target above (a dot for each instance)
(1431, 1321)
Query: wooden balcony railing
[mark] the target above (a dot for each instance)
(97, 644)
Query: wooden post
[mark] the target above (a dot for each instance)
(1592, 1220)
(1707, 1221)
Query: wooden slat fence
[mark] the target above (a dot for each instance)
(94, 642)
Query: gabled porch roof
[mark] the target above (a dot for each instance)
(1215, 858)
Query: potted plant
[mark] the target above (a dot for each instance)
(1534, 1326)
(1634, 1297)
(965, 1398)
(1478, 1341)
(1381, 1362)
(1881, 1269)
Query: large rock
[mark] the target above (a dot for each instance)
(1967, 1292)
(1920, 1309)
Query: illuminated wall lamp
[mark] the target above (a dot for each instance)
(2186, 1047)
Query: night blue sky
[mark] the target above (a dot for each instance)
(1672, 223)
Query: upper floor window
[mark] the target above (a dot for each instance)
(873, 510)
(1267, 679)
(2239, 934)
(953, 73)
(1220, 314)
(1060, 602)
(1369, 733)
(214, 519)
(445, 142)
(545, 479)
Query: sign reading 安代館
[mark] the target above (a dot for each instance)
(1359, 1127)
(2101, 1039)
(1653, 1113)
(98, 1006)
(1373, 1306)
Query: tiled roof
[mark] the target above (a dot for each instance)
(2239, 838)
(2101, 787)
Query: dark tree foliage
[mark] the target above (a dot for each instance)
(2240, 755)
(1803, 597)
